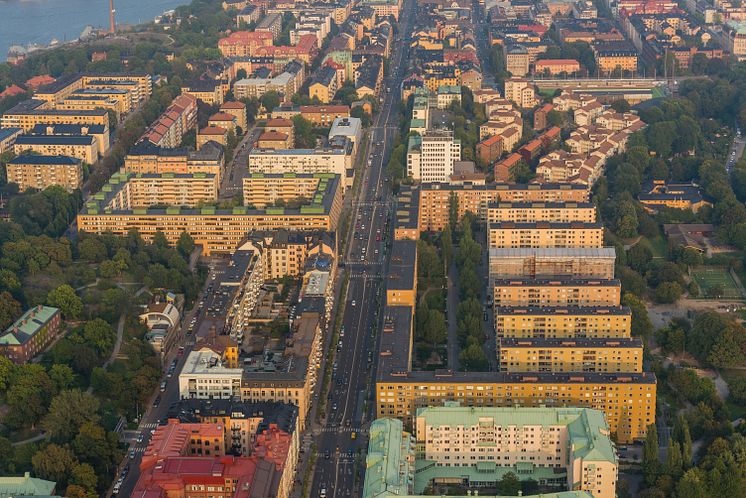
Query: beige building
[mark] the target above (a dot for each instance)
(261, 190)
(556, 292)
(433, 211)
(570, 355)
(212, 134)
(40, 172)
(552, 263)
(238, 110)
(168, 189)
(302, 161)
(520, 91)
(530, 212)
(23, 117)
(563, 322)
(574, 440)
(510, 235)
(149, 159)
(83, 147)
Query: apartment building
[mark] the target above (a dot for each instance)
(563, 321)
(238, 111)
(287, 252)
(146, 158)
(527, 212)
(294, 371)
(244, 43)
(143, 190)
(31, 334)
(552, 263)
(556, 66)
(324, 84)
(214, 134)
(430, 157)
(83, 147)
(574, 442)
(217, 230)
(570, 355)
(205, 377)
(265, 189)
(510, 235)
(179, 118)
(30, 113)
(556, 292)
(433, 209)
(100, 132)
(612, 56)
(8, 138)
(394, 468)
(520, 91)
(39, 172)
(302, 161)
(627, 399)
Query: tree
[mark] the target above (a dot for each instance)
(97, 447)
(62, 376)
(54, 463)
(453, 217)
(620, 105)
(693, 484)
(185, 244)
(446, 245)
(650, 450)
(65, 298)
(6, 373)
(270, 100)
(674, 463)
(28, 396)
(84, 476)
(641, 324)
(509, 485)
(241, 74)
(521, 172)
(10, 309)
(68, 411)
(473, 358)
(99, 334)
(303, 132)
(436, 331)
(668, 292)
(682, 436)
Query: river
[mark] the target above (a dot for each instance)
(39, 21)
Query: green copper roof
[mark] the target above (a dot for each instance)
(25, 486)
(27, 325)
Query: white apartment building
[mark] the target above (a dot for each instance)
(575, 440)
(430, 157)
(321, 160)
(205, 377)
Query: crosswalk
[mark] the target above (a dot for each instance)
(151, 425)
(343, 430)
(366, 276)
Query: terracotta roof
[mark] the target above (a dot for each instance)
(212, 130)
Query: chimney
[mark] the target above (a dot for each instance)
(112, 26)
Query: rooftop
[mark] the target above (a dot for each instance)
(39, 160)
(14, 487)
(28, 325)
(580, 342)
(402, 265)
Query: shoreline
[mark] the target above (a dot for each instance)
(49, 18)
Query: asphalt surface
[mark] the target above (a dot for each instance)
(736, 150)
(341, 442)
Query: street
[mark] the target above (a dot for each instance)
(341, 442)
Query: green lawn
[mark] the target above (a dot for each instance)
(709, 278)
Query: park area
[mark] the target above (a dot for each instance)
(716, 283)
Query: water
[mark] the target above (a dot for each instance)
(39, 21)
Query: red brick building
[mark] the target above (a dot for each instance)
(31, 334)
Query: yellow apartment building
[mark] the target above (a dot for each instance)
(570, 355)
(556, 292)
(217, 230)
(509, 235)
(627, 400)
(148, 159)
(18, 117)
(169, 189)
(528, 212)
(265, 189)
(83, 147)
(140, 86)
(434, 198)
(40, 172)
(563, 322)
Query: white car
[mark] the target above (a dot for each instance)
(354, 303)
